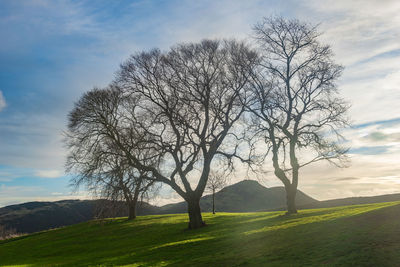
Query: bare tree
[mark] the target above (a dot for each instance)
(6, 233)
(95, 159)
(296, 111)
(216, 181)
(191, 97)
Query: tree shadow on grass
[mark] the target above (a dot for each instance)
(339, 240)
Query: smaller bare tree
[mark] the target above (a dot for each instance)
(123, 183)
(94, 158)
(6, 233)
(216, 181)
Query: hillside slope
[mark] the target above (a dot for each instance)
(362, 235)
(350, 201)
(37, 216)
(244, 196)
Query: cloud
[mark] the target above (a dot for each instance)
(380, 136)
(374, 175)
(376, 96)
(366, 28)
(10, 173)
(166, 198)
(347, 179)
(377, 136)
(32, 141)
(48, 173)
(3, 103)
(382, 123)
(371, 150)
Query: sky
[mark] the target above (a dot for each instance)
(52, 51)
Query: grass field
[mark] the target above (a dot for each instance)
(359, 235)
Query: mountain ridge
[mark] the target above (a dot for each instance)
(244, 196)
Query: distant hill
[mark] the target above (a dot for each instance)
(244, 196)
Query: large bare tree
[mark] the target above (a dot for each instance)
(96, 160)
(296, 111)
(192, 96)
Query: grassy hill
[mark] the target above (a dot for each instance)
(359, 235)
(37, 216)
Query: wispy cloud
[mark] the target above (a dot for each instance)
(3, 103)
(381, 123)
(375, 138)
(10, 173)
(370, 150)
(49, 173)
(359, 29)
(347, 179)
(32, 141)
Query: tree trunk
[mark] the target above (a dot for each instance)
(213, 200)
(291, 199)
(132, 202)
(195, 219)
(132, 209)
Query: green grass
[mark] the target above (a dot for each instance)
(359, 235)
